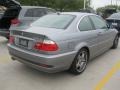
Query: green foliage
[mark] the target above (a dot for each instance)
(102, 9)
(62, 5)
(108, 10)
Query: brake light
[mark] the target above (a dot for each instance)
(15, 21)
(46, 45)
(11, 40)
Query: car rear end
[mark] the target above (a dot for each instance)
(41, 47)
(11, 11)
(28, 15)
(6, 21)
(114, 23)
(39, 52)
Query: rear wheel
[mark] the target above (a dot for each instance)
(116, 42)
(80, 62)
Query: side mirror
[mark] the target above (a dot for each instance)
(108, 26)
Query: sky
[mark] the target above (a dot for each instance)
(101, 3)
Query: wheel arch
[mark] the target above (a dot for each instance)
(87, 48)
(81, 46)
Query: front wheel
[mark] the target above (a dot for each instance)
(116, 42)
(80, 62)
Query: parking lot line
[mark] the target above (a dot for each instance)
(4, 58)
(107, 77)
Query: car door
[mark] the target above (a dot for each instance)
(88, 34)
(104, 34)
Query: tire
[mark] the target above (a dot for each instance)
(80, 62)
(116, 42)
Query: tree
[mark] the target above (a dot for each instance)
(108, 10)
(102, 9)
(62, 5)
(88, 3)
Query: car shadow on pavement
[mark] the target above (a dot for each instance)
(28, 71)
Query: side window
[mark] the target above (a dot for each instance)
(98, 22)
(49, 11)
(35, 12)
(29, 13)
(38, 12)
(85, 24)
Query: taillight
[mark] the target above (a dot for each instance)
(15, 21)
(46, 45)
(11, 39)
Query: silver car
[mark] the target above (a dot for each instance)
(62, 41)
(21, 18)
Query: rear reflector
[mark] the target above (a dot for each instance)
(11, 39)
(46, 45)
(15, 21)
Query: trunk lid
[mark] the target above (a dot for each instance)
(45, 31)
(31, 36)
(25, 40)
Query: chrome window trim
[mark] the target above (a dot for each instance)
(83, 18)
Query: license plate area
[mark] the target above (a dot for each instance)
(23, 42)
(114, 24)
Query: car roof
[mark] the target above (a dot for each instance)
(30, 7)
(116, 13)
(114, 16)
(77, 13)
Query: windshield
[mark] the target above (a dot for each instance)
(54, 21)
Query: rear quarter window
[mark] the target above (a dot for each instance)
(49, 11)
(35, 12)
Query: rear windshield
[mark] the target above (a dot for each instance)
(54, 21)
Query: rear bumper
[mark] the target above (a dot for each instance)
(45, 63)
(4, 33)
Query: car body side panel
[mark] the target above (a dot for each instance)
(88, 39)
(105, 41)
